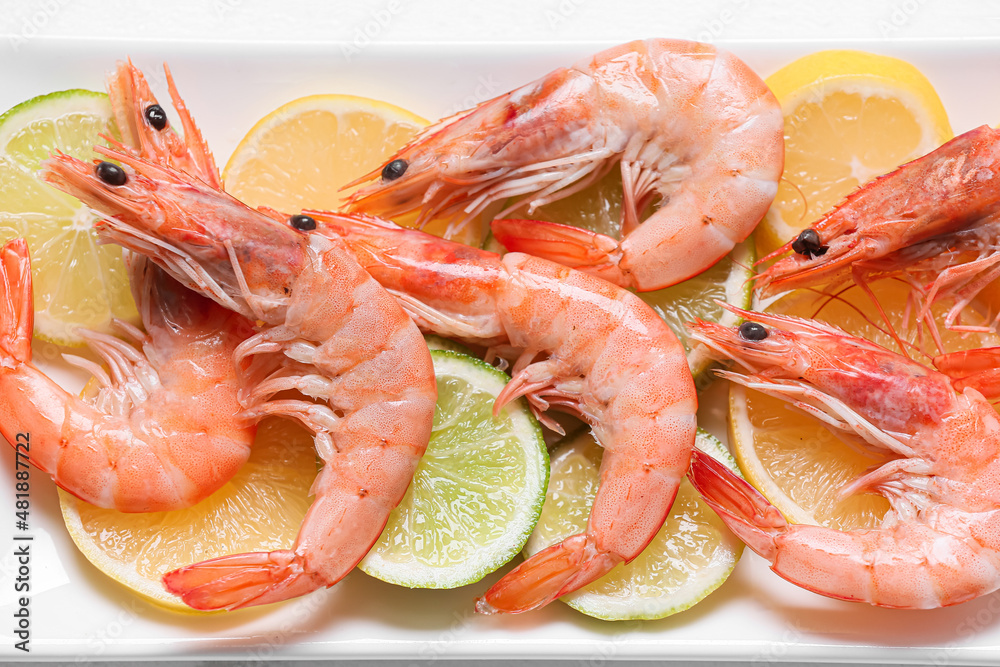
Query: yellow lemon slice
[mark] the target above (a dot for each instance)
(260, 509)
(302, 153)
(849, 116)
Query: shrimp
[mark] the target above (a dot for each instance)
(581, 345)
(690, 125)
(163, 429)
(934, 222)
(329, 332)
(939, 544)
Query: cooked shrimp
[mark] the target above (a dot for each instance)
(329, 331)
(581, 345)
(690, 125)
(940, 542)
(935, 222)
(163, 432)
(146, 130)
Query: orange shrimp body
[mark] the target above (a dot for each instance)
(581, 345)
(689, 125)
(163, 431)
(940, 543)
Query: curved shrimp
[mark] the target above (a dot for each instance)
(940, 542)
(581, 345)
(690, 125)
(329, 332)
(934, 221)
(163, 430)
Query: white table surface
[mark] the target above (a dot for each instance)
(506, 21)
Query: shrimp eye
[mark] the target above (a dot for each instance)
(111, 173)
(752, 331)
(156, 116)
(303, 223)
(394, 170)
(808, 243)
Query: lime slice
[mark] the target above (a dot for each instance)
(477, 492)
(691, 555)
(435, 342)
(77, 283)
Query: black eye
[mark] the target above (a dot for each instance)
(808, 243)
(303, 223)
(394, 170)
(752, 331)
(156, 116)
(111, 173)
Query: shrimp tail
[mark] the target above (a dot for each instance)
(570, 246)
(241, 580)
(552, 572)
(17, 311)
(978, 369)
(743, 509)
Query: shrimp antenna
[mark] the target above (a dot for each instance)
(840, 298)
(805, 200)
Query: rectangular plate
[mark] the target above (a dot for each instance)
(77, 611)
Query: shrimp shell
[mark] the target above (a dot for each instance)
(688, 124)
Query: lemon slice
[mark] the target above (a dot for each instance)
(796, 462)
(77, 283)
(849, 116)
(260, 509)
(302, 153)
(477, 492)
(691, 555)
(598, 208)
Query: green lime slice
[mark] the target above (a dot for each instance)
(435, 342)
(77, 283)
(690, 556)
(477, 492)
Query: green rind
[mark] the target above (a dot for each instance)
(739, 293)
(438, 343)
(19, 160)
(32, 106)
(736, 291)
(528, 506)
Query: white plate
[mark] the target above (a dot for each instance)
(75, 611)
